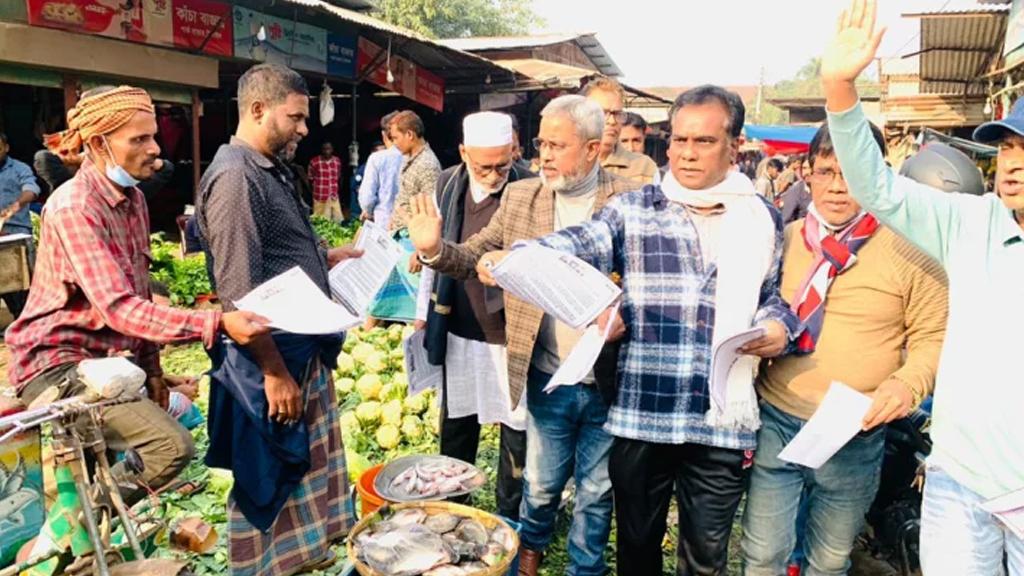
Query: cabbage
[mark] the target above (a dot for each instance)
(376, 362)
(391, 413)
(415, 404)
(368, 412)
(351, 339)
(362, 351)
(346, 385)
(388, 436)
(392, 391)
(369, 386)
(346, 364)
(350, 423)
(402, 381)
(412, 428)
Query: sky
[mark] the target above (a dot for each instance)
(690, 42)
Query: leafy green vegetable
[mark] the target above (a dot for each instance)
(333, 233)
(185, 278)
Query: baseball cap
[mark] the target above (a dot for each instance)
(996, 130)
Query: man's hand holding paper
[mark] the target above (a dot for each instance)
(558, 283)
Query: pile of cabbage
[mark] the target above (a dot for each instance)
(379, 420)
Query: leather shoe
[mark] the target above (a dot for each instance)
(529, 561)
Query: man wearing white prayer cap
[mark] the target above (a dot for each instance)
(465, 322)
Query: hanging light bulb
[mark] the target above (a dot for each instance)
(261, 35)
(390, 76)
(988, 107)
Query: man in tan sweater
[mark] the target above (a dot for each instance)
(874, 309)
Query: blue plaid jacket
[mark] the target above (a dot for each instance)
(669, 310)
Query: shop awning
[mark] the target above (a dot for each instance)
(461, 71)
(31, 46)
(782, 139)
(545, 75)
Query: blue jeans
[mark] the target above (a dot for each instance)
(958, 537)
(838, 495)
(565, 437)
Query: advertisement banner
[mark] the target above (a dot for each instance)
(410, 80)
(194, 21)
(341, 54)
(182, 24)
(98, 17)
(285, 42)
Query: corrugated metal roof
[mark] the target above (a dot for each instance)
(961, 7)
(455, 66)
(586, 41)
(958, 46)
(508, 42)
(545, 74)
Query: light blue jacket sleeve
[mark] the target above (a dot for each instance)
(368, 196)
(929, 218)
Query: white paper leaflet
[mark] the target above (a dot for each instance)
(560, 284)
(581, 360)
(293, 303)
(355, 282)
(838, 419)
(724, 356)
(418, 370)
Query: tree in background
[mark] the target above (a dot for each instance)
(805, 84)
(461, 18)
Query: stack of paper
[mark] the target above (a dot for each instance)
(560, 284)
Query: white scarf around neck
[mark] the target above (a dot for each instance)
(745, 252)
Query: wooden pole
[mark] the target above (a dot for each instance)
(70, 92)
(196, 104)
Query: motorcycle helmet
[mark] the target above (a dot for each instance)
(941, 166)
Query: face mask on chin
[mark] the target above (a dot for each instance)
(117, 174)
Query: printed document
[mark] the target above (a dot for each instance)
(838, 418)
(293, 303)
(560, 284)
(581, 360)
(420, 373)
(355, 282)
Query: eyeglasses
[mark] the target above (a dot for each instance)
(618, 115)
(825, 176)
(556, 148)
(485, 169)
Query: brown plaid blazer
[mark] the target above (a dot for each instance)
(527, 211)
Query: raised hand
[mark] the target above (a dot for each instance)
(424, 225)
(854, 45)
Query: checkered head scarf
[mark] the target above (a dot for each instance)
(98, 114)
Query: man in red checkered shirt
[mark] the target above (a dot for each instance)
(324, 174)
(90, 296)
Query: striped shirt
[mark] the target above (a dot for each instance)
(669, 310)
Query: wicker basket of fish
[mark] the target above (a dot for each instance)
(427, 477)
(432, 539)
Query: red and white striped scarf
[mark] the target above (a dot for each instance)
(833, 254)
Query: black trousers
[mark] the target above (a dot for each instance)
(708, 483)
(460, 438)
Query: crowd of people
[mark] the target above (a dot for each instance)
(853, 275)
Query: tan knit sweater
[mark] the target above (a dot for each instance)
(884, 316)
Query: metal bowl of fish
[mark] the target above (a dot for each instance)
(432, 539)
(420, 477)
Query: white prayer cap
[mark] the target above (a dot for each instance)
(486, 130)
